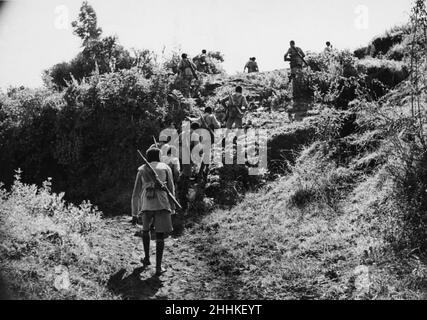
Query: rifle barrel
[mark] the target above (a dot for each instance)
(162, 185)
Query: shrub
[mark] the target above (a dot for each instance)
(407, 166)
(41, 201)
(382, 45)
(99, 56)
(86, 137)
(388, 72)
(42, 233)
(215, 60)
(397, 52)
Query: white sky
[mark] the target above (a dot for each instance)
(33, 36)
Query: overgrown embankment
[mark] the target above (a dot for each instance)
(348, 219)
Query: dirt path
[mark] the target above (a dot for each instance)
(189, 274)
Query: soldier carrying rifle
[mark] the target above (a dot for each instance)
(154, 189)
(235, 109)
(296, 58)
(187, 72)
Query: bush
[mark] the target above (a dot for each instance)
(86, 137)
(36, 201)
(397, 52)
(42, 233)
(407, 167)
(99, 56)
(344, 78)
(382, 45)
(388, 72)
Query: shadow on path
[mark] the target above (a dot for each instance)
(4, 291)
(133, 287)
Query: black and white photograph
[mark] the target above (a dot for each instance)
(236, 151)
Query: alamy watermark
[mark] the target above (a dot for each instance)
(62, 17)
(362, 17)
(217, 147)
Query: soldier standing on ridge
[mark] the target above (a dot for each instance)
(155, 205)
(251, 65)
(296, 57)
(202, 60)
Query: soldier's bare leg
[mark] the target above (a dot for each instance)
(239, 123)
(160, 245)
(146, 244)
(230, 122)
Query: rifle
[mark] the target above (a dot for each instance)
(161, 185)
(155, 142)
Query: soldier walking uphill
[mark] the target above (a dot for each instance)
(237, 104)
(209, 122)
(156, 206)
(187, 144)
(202, 62)
(187, 72)
(296, 57)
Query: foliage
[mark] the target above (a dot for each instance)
(40, 233)
(99, 55)
(86, 26)
(382, 45)
(86, 137)
(146, 61)
(344, 78)
(337, 84)
(215, 58)
(41, 201)
(171, 63)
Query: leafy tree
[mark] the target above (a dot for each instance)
(102, 54)
(86, 26)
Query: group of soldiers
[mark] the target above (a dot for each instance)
(187, 68)
(294, 55)
(152, 205)
(156, 183)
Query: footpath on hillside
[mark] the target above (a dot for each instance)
(188, 275)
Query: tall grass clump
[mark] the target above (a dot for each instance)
(317, 179)
(41, 234)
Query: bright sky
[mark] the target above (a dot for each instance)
(35, 35)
